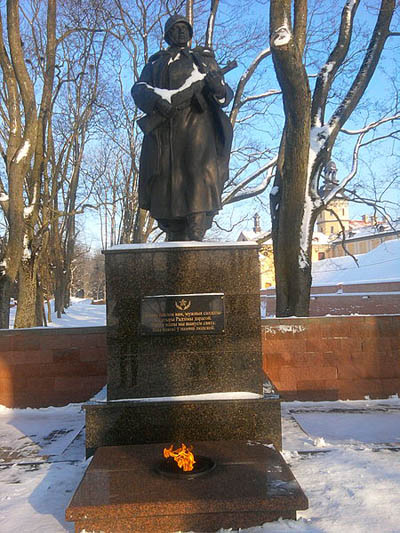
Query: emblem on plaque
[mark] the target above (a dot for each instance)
(183, 314)
(183, 305)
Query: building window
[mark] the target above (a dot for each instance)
(343, 212)
(332, 229)
(321, 255)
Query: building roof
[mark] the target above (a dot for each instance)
(250, 235)
(360, 229)
(320, 238)
(380, 264)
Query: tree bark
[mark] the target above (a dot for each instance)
(26, 309)
(293, 271)
(4, 302)
(295, 202)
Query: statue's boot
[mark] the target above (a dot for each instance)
(196, 226)
(177, 236)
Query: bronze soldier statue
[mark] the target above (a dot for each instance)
(187, 136)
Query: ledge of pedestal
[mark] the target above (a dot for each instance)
(177, 245)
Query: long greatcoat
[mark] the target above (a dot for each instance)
(184, 161)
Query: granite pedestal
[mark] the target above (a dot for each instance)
(167, 365)
(141, 365)
(122, 493)
(183, 323)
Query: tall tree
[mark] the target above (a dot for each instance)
(308, 137)
(44, 76)
(24, 158)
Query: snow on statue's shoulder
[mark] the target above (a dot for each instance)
(168, 94)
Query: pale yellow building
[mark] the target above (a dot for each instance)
(365, 235)
(360, 236)
(320, 248)
(328, 224)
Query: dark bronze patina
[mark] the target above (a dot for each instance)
(187, 136)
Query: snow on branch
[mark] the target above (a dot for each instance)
(372, 125)
(359, 144)
(211, 23)
(335, 60)
(259, 96)
(281, 36)
(368, 66)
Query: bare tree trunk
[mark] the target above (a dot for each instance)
(27, 283)
(5, 287)
(292, 267)
(295, 202)
(39, 304)
(49, 318)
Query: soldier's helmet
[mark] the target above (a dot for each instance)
(174, 20)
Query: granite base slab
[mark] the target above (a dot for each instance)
(130, 422)
(122, 493)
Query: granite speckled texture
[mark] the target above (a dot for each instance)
(170, 365)
(122, 493)
(148, 422)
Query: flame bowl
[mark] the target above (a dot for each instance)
(169, 468)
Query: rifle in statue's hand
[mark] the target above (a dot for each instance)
(149, 122)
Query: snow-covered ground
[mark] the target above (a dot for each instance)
(81, 313)
(345, 456)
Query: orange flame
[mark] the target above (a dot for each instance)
(183, 456)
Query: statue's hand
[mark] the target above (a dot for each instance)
(216, 84)
(164, 108)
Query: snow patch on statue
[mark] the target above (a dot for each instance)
(168, 94)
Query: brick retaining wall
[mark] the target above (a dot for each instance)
(322, 358)
(42, 367)
(330, 358)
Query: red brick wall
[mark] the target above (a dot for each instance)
(305, 358)
(42, 367)
(329, 358)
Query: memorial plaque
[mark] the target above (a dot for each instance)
(187, 314)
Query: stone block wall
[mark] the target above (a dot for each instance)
(318, 358)
(43, 367)
(330, 358)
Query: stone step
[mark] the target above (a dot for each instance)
(130, 422)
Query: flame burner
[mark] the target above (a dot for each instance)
(169, 468)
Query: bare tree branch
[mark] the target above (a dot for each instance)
(211, 23)
(343, 233)
(230, 197)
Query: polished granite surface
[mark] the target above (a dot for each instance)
(122, 492)
(145, 365)
(130, 422)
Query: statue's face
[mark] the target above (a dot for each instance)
(179, 34)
